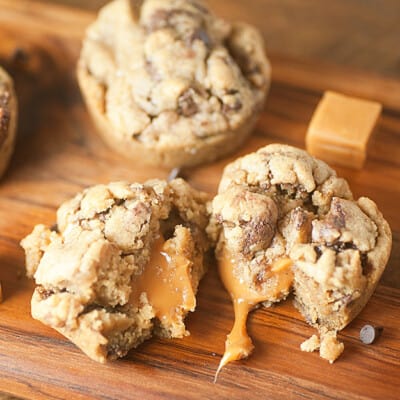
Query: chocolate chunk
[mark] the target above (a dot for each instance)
(366, 266)
(54, 228)
(257, 233)
(200, 34)
(318, 251)
(44, 293)
(186, 105)
(336, 219)
(369, 333)
(236, 106)
(341, 246)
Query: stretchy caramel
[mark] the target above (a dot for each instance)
(166, 282)
(238, 344)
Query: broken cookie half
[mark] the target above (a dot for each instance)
(122, 264)
(283, 220)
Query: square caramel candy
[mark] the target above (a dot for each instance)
(340, 128)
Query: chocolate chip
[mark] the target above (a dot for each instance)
(236, 106)
(318, 251)
(186, 105)
(44, 293)
(366, 266)
(338, 216)
(369, 333)
(200, 34)
(54, 228)
(341, 246)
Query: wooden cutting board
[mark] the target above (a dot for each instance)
(58, 153)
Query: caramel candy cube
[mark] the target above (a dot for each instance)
(340, 128)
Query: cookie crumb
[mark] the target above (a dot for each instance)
(330, 348)
(311, 344)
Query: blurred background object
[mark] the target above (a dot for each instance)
(357, 33)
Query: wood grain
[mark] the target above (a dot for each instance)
(58, 153)
(354, 33)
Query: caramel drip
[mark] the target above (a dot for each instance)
(238, 344)
(166, 282)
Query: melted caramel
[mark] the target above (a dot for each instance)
(238, 344)
(166, 282)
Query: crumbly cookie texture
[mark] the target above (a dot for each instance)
(88, 269)
(8, 119)
(281, 202)
(171, 82)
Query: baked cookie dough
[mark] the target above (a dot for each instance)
(283, 220)
(122, 264)
(8, 119)
(170, 83)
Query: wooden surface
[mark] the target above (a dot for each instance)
(58, 153)
(356, 33)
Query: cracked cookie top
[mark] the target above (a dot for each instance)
(173, 72)
(120, 219)
(281, 201)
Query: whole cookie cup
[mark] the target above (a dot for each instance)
(171, 84)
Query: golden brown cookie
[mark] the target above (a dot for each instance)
(171, 84)
(123, 263)
(283, 219)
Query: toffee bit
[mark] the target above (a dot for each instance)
(175, 173)
(369, 333)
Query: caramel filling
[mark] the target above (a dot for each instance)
(238, 344)
(166, 282)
